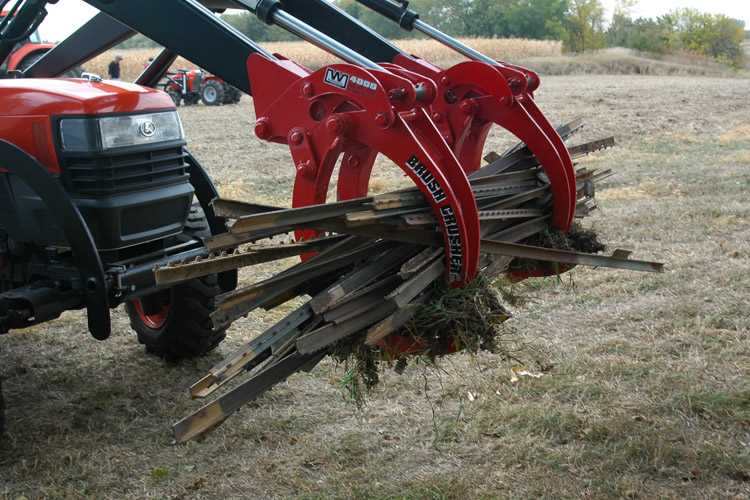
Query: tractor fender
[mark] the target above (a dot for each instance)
(69, 219)
(206, 193)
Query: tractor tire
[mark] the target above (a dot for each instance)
(176, 323)
(192, 99)
(232, 95)
(176, 97)
(212, 93)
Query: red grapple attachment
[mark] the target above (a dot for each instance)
(350, 112)
(472, 96)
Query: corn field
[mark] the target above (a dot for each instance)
(505, 49)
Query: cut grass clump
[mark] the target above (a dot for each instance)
(460, 319)
(452, 320)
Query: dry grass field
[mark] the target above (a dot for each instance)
(646, 392)
(312, 57)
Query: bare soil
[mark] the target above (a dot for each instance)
(647, 392)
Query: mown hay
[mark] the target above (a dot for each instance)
(467, 319)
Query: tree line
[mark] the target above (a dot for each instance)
(580, 24)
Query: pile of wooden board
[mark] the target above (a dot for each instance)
(373, 265)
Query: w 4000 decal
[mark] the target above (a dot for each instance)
(342, 80)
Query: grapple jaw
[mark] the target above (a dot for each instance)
(344, 111)
(472, 96)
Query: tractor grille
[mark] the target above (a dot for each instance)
(106, 176)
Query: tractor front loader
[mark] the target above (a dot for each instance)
(368, 262)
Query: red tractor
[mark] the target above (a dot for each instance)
(195, 85)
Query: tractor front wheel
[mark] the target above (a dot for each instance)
(176, 323)
(212, 93)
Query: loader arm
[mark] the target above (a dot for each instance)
(222, 49)
(95, 37)
(212, 44)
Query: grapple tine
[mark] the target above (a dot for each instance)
(510, 106)
(517, 120)
(560, 148)
(460, 219)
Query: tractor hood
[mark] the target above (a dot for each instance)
(75, 96)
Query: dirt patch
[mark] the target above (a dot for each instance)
(735, 135)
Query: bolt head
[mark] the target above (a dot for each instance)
(263, 128)
(296, 138)
(306, 168)
(335, 125)
(382, 120)
(469, 107)
(308, 90)
(445, 82)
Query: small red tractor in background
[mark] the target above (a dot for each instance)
(194, 85)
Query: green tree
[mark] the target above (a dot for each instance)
(584, 26)
(649, 35)
(138, 42)
(619, 30)
(689, 30)
(622, 23)
(446, 15)
(381, 24)
(716, 36)
(540, 19)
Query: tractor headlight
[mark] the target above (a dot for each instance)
(113, 132)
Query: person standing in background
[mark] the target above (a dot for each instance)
(114, 68)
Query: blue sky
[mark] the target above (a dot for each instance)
(68, 15)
